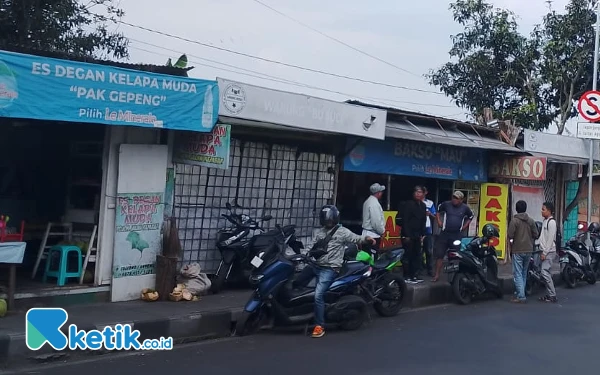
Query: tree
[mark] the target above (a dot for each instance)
(533, 80)
(69, 26)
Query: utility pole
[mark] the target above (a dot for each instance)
(594, 87)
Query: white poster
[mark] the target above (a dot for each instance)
(534, 196)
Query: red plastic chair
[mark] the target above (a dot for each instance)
(10, 237)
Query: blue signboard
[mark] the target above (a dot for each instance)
(34, 87)
(410, 158)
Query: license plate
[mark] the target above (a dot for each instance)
(451, 267)
(256, 262)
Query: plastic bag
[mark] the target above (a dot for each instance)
(194, 280)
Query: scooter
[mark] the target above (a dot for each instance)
(575, 261)
(595, 255)
(238, 249)
(383, 289)
(473, 270)
(274, 298)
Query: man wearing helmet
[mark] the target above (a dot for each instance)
(328, 250)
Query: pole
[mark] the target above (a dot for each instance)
(594, 86)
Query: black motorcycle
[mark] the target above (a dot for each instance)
(575, 260)
(595, 255)
(473, 270)
(241, 253)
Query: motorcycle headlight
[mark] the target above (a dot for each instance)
(255, 279)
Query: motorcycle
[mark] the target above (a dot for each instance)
(275, 299)
(595, 255)
(575, 260)
(383, 289)
(473, 270)
(239, 250)
(534, 274)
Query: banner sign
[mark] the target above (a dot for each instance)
(139, 219)
(410, 158)
(522, 168)
(208, 150)
(41, 88)
(391, 236)
(493, 209)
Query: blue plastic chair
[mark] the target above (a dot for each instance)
(62, 273)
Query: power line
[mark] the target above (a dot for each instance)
(278, 62)
(335, 39)
(280, 79)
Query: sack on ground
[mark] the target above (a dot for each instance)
(194, 280)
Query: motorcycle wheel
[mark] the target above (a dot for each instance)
(219, 280)
(462, 294)
(251, 324)
(353, 319)
(568, 277)
(393, 294)
(591, 279)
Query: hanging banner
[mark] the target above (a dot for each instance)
(522, 168)
(493, 209)
(208, 150)
(533, 195)
(41, 88)
(391, 236)
(139, 219)
(420, 159)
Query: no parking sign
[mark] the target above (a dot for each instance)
(589, 106)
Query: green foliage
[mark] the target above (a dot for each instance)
(68, 26)
(533, 80)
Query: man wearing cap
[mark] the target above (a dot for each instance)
(457, 217)
(373, 221)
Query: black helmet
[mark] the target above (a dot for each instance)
(489, 231)
(329, 216)
(594, 228)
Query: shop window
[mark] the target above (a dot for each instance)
(264, 178)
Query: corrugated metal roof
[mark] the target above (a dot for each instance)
(452, 137)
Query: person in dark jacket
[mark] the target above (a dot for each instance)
(413, 231)
(522, 233)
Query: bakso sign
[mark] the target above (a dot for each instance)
(522, 168)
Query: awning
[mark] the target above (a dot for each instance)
(559, 159)
(451, 137)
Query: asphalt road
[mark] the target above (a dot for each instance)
(491, 337)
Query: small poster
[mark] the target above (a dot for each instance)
(208, 150)
(139, 219)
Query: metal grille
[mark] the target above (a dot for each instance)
(549, 184)
(265, 178)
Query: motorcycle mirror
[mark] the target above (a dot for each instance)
(267, 218)
(228, 206)
(456, 243)
(580, 226)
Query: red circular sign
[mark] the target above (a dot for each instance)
(589, 106)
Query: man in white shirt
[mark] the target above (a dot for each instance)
(373, 221)
(548, 248)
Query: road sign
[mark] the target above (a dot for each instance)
(588, 130)
(589, 106)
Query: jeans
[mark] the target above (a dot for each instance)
(325, 277)
(547, 275)
(520, 263)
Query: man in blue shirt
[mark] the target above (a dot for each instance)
(457, 217)
(428, 240)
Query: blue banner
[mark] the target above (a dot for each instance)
(410, 158)
(34, 87)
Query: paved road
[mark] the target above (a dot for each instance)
(491, 337)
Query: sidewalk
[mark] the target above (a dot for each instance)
(212, 317)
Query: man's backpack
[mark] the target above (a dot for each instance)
(558, 238)
(320, 247)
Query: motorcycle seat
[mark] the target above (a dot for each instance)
(350, 268)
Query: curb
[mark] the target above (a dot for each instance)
(440, 293)
(200, 326)
(184, 329)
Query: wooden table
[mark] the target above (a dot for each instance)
(11, 255)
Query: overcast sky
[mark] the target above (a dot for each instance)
(413, 35)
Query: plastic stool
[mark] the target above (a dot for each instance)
(61, 274)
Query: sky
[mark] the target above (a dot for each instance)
(412, 35)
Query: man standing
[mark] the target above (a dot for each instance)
(428, 240)
(522, 233)
(457, 217)
(548, 247)
(373, 221)
(413, 230)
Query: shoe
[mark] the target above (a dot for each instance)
(318, 332)
(417, 280)
(410, 281)
(549, 299)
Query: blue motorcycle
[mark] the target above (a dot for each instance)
(274, 298)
